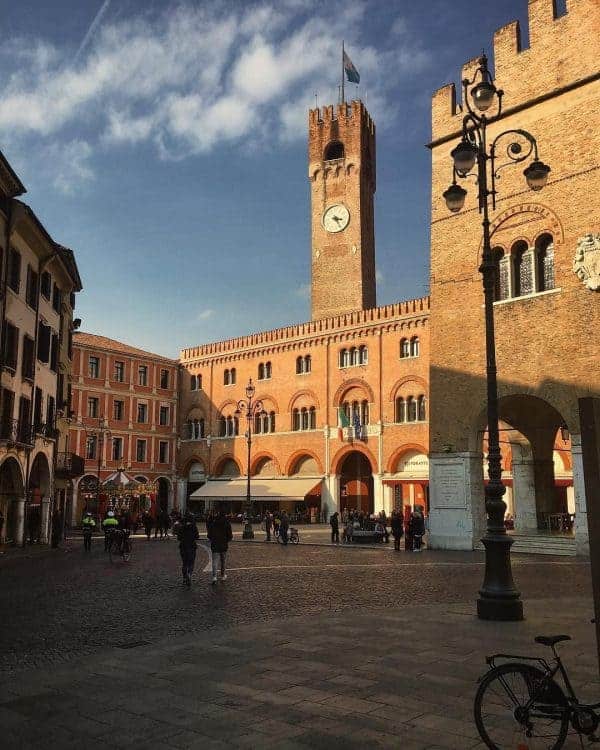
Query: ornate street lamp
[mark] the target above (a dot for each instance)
(250, 408)
(100, 433)
(499, 598)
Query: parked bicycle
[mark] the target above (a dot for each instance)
(120, 545)
(520, 705)
(293, 535)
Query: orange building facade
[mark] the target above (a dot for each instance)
(124, 404)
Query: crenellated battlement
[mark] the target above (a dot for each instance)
(562, 51)
(354, 113)
(407, 308)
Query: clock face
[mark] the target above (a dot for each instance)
(336, 218)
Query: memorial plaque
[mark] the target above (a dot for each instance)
(448, 489)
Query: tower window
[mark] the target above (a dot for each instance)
(334, 150)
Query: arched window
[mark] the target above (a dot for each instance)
(258, 424)
(299, 365)
(364, 412)
(411, 409)
(272, 421)
(501, 275)
(355, 356)
(295, 420)
(190, 430)
(421, 409)
(363, 355)
(414, 346)
(193, 383)
(304, 418)
(226, 380)
(545, 263)
(404, 348)
(400, 410)
(229, 431)
(307, 363)
(522, 270)
(222, 427)
(312, 418)
(334, 150)
(261, 371)
(268, 370)
(232, 376)
(344, 358)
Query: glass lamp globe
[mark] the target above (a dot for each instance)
(464, 156)
(536, 174)
(455, 197)
(483, 95)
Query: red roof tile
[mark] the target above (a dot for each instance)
(102, 342)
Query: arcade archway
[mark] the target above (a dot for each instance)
(11, 494)
(356, 483)
(39, 489)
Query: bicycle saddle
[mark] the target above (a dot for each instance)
(551, 640)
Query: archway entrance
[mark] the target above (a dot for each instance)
(536, 461)
(11, 492)
(356, 483)
(163, 493)
(39, 489)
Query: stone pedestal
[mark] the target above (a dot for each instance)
(457, 505)
(523, 489)
(45, 520)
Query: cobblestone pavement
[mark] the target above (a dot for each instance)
(64, 603)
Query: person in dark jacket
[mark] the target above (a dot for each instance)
(283, 527)
(218, 530)
(187, 534)
(148, 523)
(268, 525)
(417, 528)
(397, 528)
(334, 522)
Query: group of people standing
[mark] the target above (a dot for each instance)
(278, 524)
(353, 520)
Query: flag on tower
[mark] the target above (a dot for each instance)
(343, 421)
(351, 73)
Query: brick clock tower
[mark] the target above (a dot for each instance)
(341, 147)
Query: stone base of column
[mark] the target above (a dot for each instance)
(498, 597)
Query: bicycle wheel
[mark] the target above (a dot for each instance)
(295, 539)
(518, 706)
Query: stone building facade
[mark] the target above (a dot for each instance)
(547, 312)
(124, 404)
(39, 281)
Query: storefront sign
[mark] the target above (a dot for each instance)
(415, 464)
(196, 473)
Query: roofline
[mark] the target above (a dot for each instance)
(138, 352)
(13, 175)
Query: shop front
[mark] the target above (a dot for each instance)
(410, 481)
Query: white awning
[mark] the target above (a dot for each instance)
(261, 489)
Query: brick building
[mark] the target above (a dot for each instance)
(547, 312)
(124, 404)
(39, 281)
(345, 395)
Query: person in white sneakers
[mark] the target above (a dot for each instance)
(218, 530)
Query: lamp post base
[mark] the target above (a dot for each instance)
(499, 598)
(248, 532)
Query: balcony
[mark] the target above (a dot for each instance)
(69, 466)
(14, 432)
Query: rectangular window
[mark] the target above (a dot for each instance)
(27, 364)
(163, 452)
(142, 375)
(31, 291)
(56, 298)
(50, 415)
(164, 416)
(24, 435)
(117, 448)
(119, 372)
(164, 379)
(90, 447)
(141, 451)
(10, 346)
(46, 285)
(118, 410)
(94, 367)
(44, 342)
(72, 300)
(37, 409)
(92, 410)
(14, 270)
(54, 353)
(142, 413)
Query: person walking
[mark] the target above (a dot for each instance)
(268, 525)
(334, 522)
(417, 528)
(187, 534)
(88, 525)
(56, 528)
(109, 524)
(147, 523)
(283, 527)
(397, 528)
(218, 530)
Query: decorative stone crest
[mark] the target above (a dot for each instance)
(586, 264)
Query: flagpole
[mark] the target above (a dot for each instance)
(343, 95)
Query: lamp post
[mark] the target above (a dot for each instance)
(499, 598)
(250, 408)
(100, 433)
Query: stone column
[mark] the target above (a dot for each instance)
(544, 484)
(378, 494)
(523, 488)
(457, 504)
(20, 522)
(582, 542)
(45, 519)
(75, 505)
(182, 494)
(330, 494)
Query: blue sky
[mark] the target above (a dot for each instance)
(166, 144)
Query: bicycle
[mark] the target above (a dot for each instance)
(293, 536)
(519, 705)
(119, 545)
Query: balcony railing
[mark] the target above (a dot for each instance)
(69, 465)
(16, 432)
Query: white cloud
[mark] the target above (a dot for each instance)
(192, 77)
(69, 165)
(379, 277)
(206, 314)
(303, 291)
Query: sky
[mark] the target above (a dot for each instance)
(166, 144)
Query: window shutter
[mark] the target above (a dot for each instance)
(44, 335)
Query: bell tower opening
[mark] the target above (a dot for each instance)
(341, 146)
